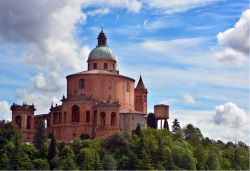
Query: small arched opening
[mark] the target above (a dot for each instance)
(103, 118)
(45, 123)
(113, 119)
(28, 126)
(18, 121)
(75, 113)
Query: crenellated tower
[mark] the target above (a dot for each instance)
(141, 97)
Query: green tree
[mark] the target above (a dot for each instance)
(143, 161)
(84, 136)
(109, 163)
(213, 162)
(19, 160)
(4, 161)
(52, 153)
(88, 159)
(39, 137)
(176, 129)
(66, 159)
(43, 152)
(151, 121)
(201, 156)
(40, 164)
(183, 156)
(192, 134)
(138, 130)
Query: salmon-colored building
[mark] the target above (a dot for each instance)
(99, 102)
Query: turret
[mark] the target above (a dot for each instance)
(141, 97)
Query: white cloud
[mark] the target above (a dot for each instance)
(53, 82)
(130, 5)
(230, 115)
(164, 46)
(188, 99)
(5, 112)
(41, 100)
(203, 120)
(99, 11)
(174, 6)
(46, 29)
(235, 41)
(231, 56)
(168, 101)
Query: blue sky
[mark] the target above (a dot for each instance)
(192, 55)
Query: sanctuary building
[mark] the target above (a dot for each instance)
(99, 102)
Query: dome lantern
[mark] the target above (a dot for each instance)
(102, 40)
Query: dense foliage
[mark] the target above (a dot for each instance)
(146, 149)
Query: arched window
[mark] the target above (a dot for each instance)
(81, 84)
(28, 126)
(113, 119)
(75, 114)
(103, 119)
(19, 121)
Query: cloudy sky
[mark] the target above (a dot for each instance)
(193, 55)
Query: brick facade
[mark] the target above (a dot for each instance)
(99, 102)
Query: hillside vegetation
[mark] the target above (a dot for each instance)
(145, 149)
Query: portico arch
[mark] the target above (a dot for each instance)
(75, 113)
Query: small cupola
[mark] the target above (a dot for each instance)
(102, 40)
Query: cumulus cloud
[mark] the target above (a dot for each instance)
(5, 112)
(100, 11)
(45, 28)
(230, 115)
(53, 82)
(173, 6)
(41, 100)
(188, 99)
(203, 120)
(234, 42)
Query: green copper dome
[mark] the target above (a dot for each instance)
(101, 52)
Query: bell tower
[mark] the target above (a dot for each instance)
(23, 117)
(141, 97)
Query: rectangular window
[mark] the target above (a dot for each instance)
(81, 83)
(95, 65)
(87, 116)
(59, 117)
(64, 117)
(105, 66)
(55, 122)
(95, 117)
(127, 87)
